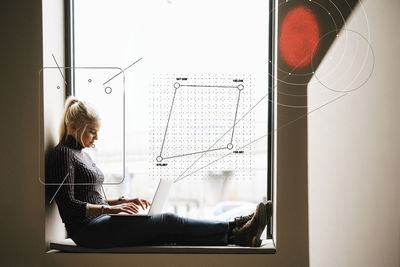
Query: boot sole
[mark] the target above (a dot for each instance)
(261, 223)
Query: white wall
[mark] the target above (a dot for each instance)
(354, 149)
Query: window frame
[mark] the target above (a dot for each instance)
(69, 26)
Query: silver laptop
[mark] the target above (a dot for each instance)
(157, 204)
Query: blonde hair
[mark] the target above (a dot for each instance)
(79, 112)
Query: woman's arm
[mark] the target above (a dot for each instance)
(60, 170)
(113, 202)
(138, 201)
(95, 210)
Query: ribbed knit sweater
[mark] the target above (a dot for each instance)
(81, 181)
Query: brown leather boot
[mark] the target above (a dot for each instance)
(242, 220)
(249, 234)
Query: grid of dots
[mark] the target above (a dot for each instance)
(200, 117)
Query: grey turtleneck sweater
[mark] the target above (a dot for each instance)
(81, 181)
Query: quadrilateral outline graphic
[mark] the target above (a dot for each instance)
(229, 146)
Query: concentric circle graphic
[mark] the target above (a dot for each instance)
(351, 55)
(353, 75)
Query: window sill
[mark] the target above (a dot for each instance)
(68, 245)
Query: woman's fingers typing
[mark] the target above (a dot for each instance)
(133, 207)
(129, 208)
(139, 202)
(144, 204)
(128, 211)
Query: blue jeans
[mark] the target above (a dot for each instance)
(162, 229)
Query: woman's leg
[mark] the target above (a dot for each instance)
(109, 231)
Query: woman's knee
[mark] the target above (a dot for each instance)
(170, 217)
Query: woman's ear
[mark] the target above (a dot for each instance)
(72, 127)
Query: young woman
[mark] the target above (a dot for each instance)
(84, 210)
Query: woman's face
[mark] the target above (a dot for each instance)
(89, 135)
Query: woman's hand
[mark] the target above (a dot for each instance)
(130, 208)
(138, 201)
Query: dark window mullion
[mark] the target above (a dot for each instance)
(271, 49)
(69, 47)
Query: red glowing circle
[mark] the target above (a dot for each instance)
(299, 37)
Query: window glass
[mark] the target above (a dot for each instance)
(192, 99)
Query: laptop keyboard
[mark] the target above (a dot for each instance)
(143, 211)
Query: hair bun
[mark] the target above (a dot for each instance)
(70, 101)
